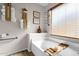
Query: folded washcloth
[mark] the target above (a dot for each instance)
(4, 35)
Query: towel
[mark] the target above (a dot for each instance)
(13, 18)
(21, 24)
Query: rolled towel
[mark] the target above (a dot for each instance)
(21, 24)
(4, 35)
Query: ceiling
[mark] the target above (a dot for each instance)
(43, 4)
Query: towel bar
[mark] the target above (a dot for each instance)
(8, 38)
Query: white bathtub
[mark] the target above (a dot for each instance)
(39, 44)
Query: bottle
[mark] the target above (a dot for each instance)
(39, 30)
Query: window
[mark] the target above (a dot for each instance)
(65, 20)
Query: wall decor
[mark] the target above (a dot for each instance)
(36, 17)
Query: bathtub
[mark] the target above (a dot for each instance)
(41, 42)
(38, 46)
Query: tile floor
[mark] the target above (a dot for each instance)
(22, 53)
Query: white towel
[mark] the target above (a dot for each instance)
(3, 11)
(13, 17)
(3, 7)
(3, 35)
(3, 17)
(21, 24)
